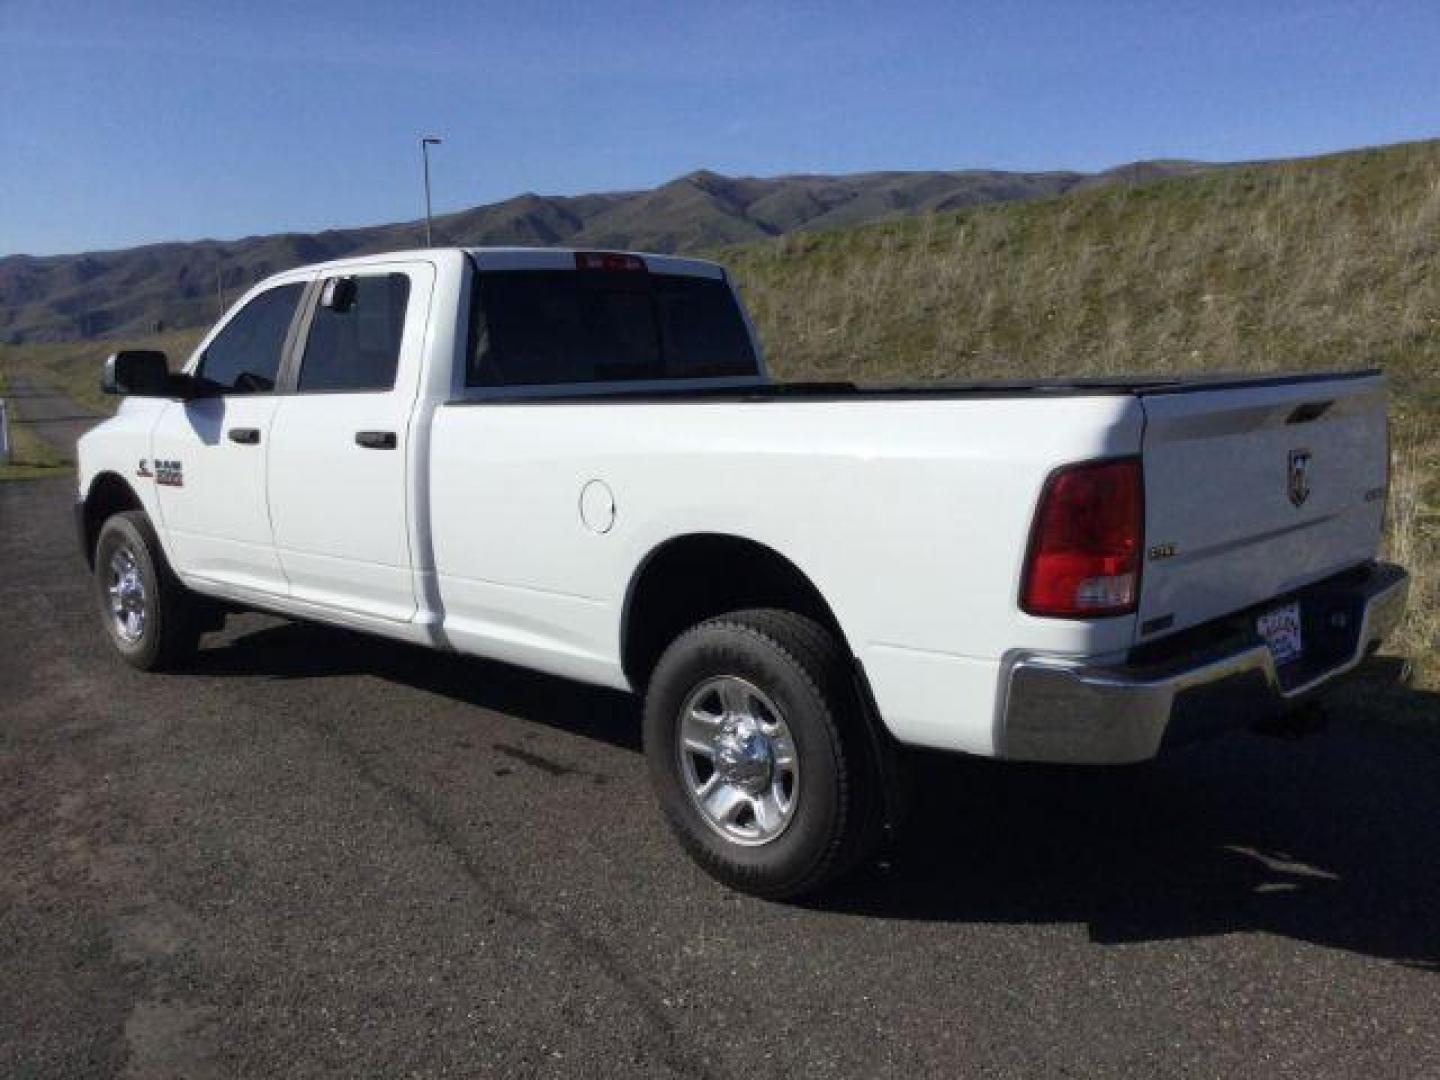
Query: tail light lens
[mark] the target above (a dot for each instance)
(1084, 558)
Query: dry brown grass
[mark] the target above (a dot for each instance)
(1304, 264)
(1413, 540)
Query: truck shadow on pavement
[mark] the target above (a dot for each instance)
(300, 651)
(1330, 839)
(1333, 839)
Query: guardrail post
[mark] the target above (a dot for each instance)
(4, 434)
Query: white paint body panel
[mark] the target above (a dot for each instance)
(340, 511)
(1217, 489)
(911, 516)
(218, 521)
(118, 446)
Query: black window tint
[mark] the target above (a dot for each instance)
(245, 357)
(543, 327)
(701, 329)
(357, 346)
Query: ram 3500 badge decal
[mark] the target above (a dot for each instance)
(170, 473)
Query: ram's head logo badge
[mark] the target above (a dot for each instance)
(1299, 476)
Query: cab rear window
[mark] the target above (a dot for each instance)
(553, 327)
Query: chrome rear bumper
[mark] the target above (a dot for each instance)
(1065, 710)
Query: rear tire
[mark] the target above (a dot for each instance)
(152, 619)
(757, 751)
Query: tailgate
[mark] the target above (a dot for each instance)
(1253, 490)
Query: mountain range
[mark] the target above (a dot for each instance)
(171, 285)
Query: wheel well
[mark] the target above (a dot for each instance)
(692, 578)
(109, 494)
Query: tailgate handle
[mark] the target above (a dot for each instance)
(245, 436)
(1310, 410)
(375, 440)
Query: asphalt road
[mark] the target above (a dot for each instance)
(50, 414)
(315, 854)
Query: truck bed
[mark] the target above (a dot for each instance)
(1114, 385)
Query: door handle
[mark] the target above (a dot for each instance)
(246, 436)
(375, 440)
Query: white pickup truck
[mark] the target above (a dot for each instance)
(573, 461)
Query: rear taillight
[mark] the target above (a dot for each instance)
(1084, 558)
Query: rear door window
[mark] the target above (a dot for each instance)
(354, 341)
(552, 327)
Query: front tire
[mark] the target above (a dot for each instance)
(152, 619)
(758, 755)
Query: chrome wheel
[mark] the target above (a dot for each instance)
(738, 760)
(125, 587)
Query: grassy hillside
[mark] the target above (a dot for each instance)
(1329, 262)
(1321, 263)
(112, 293)
(1309, 263)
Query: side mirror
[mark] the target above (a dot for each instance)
(338, 294)
(137, 372)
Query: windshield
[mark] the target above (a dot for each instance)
(549, 327)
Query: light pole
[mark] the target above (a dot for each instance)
(426, 142)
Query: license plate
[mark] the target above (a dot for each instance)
(1281, 630)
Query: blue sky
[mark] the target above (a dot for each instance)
(123, 123)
